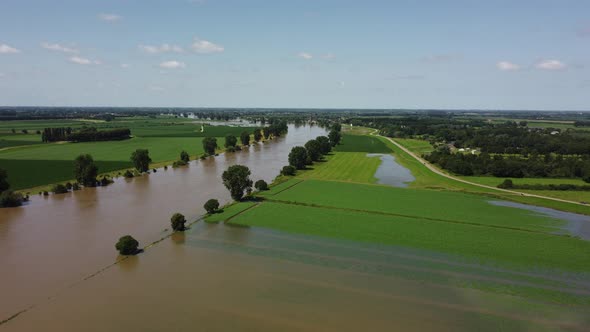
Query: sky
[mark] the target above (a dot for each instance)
(455, 54)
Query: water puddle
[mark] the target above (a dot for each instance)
(391, 173)
(576, 224)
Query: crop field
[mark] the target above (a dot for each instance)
(31, 163)
(345, 166)
(358, 143)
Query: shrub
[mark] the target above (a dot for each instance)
(127, 245)
(10, 199)
(184, 156)
(288, 170)
(177, 221)
(59, 189)
(128, 174)
(506, 184)
(69, 186)
(261, 185)
(586, 179)
(75, 186)
(104, 181)
(179, 163)
(211, 206)
(45, 193)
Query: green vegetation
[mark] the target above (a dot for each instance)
(85, 170)
(345, 166)
(141, 160)
(357, 143)
(177, 222)
(261, 185)
(237, 180)
(417, 146)
(211, 206)
(229, 212)
(298, 157)
(127, 245)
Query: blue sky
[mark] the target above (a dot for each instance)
(335, 54)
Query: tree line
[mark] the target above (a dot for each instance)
(90, 134)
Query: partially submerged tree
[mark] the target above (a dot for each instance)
(177, 222)
(209, 145)
(4, 185)
(258, 134)
(85, 171)
(298, 157)
(59, 189)
(237, 180)
(184, 156)
(230, 141)
(127, 245)
(9, 198)
(261, 185)
(141, 160)
(245, 138)
(211, 206)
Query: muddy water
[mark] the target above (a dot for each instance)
(55, 241)
(220, 278)
(390, 172)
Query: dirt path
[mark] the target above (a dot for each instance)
(441, 173)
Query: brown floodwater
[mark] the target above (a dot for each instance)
(57, 258)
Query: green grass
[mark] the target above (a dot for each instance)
(358, 143)
(345, 166)
(26, 173)
(436, 205)
(417, 146)
(494, 181)
(489, 245)
(228, 212)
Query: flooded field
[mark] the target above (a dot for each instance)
(221, 278)
(390, 172)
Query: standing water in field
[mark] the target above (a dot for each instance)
(576, 224)
(390, 172)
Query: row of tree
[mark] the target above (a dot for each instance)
(9, 198)
(509, 184)
(89, 134)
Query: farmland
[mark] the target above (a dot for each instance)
(30, 163)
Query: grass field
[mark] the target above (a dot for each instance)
(415, 145)
(358, 143)
(31, 163)
(345, 166)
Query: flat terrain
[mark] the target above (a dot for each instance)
(31, 163)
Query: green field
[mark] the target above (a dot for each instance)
(358, 143)
(31, 163)
(415, 145)
(345, 166)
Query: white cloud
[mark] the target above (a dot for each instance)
(304, 55)
(507, 66)
(59, 48)
(164, 48)
(109, 17)
(83, 61)
(550, 65)
(172, 64)
(202, 46)
(5, 49)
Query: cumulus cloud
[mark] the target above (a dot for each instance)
(164, 48)
(5, 49)
(202, 46)
(109, 17)
(550, 65)
(305, 55)
(507, 66)
(59, 48)
(172, 64)
(83, 61)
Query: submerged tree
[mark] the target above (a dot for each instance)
(177, 222)
(85, 171)
(230, 141)
(298, 157)
(4, 185)
(209, 145)
(245, 138)
(9, 198)
(237, 180)
(141, 160)
(184, 156)
(257, 134)
(211, 205)
(127, 245)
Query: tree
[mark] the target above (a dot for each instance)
(4, 180)
(127, 245)
(184, 156)
(245, 138)
(177, 221)
(230, 141)
(211, 205)
(59, 189)
(334, 137)
(85, 171)
(209, 145)
(257, 134)
(237, 180)
(325, 146)
(9, 198)
(261, 185)
(288, 170)
(506, 184)
(298, 157)
(313, 150)
(141, 160)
